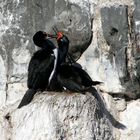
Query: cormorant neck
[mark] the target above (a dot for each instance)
(62, 54)
(48, 45)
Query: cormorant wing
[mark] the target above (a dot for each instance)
(86, 79)
(39, 70)
(69, 78)
(75, 78)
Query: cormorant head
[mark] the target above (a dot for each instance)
(39, 38)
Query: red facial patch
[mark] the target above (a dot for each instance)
(59, 35)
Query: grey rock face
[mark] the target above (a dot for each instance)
(75, 21)
(130, 118)
(118, 53)
(112, 57)
(61, 116)
(136, 48)
(115, 30)
(3, 80)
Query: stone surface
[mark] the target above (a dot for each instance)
(112, 57)
(120, 103)
(17, 90)
(61, 116)
(130, 118)
(115, 30)
(4, 128)
(136, 46)
(3, 81)
(75, 21)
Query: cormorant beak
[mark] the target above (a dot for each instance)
(49, 35)
(59, 35)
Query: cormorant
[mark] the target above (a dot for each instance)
(71, 75)
(42, 66)
(74, 78)
(48, 69)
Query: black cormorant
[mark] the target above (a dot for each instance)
(42, 66)
(71, 75)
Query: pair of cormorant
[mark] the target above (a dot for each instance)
(48, 69)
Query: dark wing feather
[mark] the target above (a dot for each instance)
(39, 70)
(70, 79)
(85, 78)
(75, 78)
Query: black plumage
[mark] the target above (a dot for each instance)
(63, 46)
(74, 78)
(66, 74)
(39, 70)
(71, 75)
(41, 66)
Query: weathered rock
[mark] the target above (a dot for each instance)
(115, 30)
(75, 21)
(61, 116)
(112, 57)
(136, 16)
(114, 21)
(17, 90)
(120, 103)
(3, 80)
(136, 45)
(4, 128)
(130, 118)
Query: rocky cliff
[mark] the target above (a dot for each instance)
(104, 37)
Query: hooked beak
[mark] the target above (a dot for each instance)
(49, 35)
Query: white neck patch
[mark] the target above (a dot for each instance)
(55, 51)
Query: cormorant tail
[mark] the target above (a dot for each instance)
(27, 98)
(94, 83)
